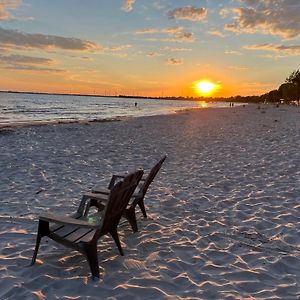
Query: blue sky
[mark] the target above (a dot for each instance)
(140, 47)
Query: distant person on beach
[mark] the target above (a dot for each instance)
(135, 104)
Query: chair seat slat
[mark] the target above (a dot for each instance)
(77, 234)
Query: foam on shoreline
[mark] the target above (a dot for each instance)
(13, 125)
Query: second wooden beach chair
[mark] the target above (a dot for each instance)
(100, 194)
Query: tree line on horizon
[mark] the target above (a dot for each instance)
(288, 93)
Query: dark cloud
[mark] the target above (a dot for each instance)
(27, 63)
(173, 61)
(23, 59)
(18, 67)
(21, 40)
(280, 17)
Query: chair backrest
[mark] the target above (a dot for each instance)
(119, 197)
(151, 176)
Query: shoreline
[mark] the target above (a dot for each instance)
(24, 124)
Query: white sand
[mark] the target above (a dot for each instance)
(224, 211)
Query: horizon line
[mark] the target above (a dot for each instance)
(128, 96)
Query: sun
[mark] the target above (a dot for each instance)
(205, 87)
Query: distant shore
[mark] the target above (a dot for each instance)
(210, 99)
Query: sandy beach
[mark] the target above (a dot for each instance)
(224, 211)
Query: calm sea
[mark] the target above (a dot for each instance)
(30, 108)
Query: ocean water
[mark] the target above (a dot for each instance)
(30, 108)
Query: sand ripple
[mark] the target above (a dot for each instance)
(224, 217)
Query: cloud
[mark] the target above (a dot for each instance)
(174, 29)
(233, 52)
(216, 33)
(153, 54)
(181, 37)
(114, 49)
(173, 61)
(5, 6)
(281, 17)
(175, 34)
(18, 67)
(23, 59)
(147, 30)
(287, 50)
(21, 40)
(27, 63)
(128, 5)
(179, 49)
(170, 30)
(188, 13)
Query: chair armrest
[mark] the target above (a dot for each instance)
(112, 182)
(97, 196)
(67, 221)
(100, 190)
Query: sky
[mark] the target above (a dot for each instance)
(148, 48)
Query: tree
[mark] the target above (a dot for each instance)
(294, 79)
(288, 92)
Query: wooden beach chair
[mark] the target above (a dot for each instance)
(82, 231)
(99, 193)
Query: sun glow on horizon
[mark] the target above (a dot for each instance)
(205, 87)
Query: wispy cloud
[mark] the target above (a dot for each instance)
(175, 34)
(21, 40)
(181, 37)
(27, 63)
(233, 52)
(23, 59)
(170, 30)
(153, 54)
(190, 13)
(216, 33)
(128, 5)
(179, 49)
(174, 61)
(287, 50)
(281, 17)
(6, 6)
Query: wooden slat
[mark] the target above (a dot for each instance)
(65, 230)
(55, 227)
(87, 238)
(77, 234)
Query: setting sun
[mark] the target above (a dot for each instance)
(205, 87)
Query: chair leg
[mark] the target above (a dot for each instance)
(131, 217)
(115, 236)
(43, 230)
(142, 207)
(92, 258)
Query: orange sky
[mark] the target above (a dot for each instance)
(147, 48)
